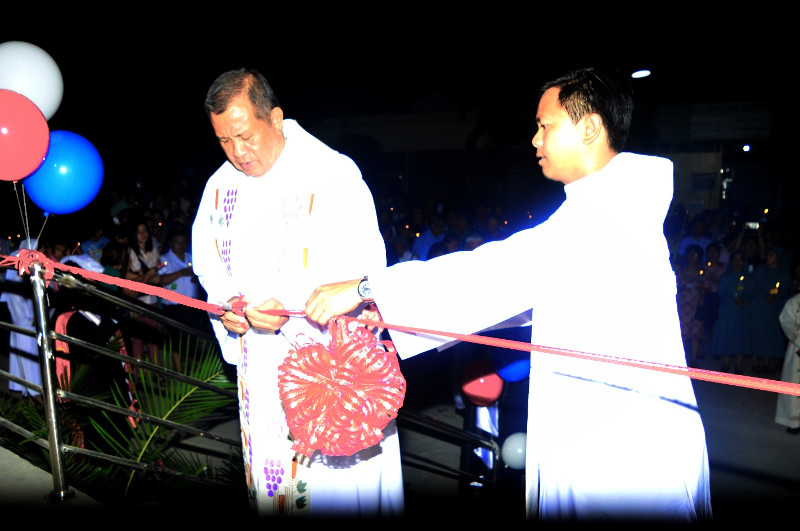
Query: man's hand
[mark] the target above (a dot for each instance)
(265, 321)
(233, 322)
(370, 314)
(331, 300)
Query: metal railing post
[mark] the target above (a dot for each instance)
(47, 361)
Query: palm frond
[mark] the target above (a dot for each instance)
(155, 394)
(170, 399)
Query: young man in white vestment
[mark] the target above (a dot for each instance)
(604, 441)
(284, 214)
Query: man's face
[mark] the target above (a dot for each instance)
(557, 140)
(179, 245)
(251, 145)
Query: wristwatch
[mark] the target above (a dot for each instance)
(364, 290)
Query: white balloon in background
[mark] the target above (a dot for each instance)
(513, 450)
(28, 70)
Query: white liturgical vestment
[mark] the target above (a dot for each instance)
(308, 221)
(603, 441)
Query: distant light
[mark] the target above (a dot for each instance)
(640, 74)
(746, 148)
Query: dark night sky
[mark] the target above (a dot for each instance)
(135, 86)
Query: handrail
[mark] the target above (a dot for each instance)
(31, 437)
(47, 357)
(410, 419)
(142, 363)
(50, 392)
(69, 280)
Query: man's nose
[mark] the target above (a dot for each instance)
(238, 147)
(537, 140)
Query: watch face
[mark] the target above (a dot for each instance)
(363, 289)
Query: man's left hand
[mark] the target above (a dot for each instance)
(331, 300)
(265, 321)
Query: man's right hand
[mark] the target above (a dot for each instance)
(234, 323)
(331, 300)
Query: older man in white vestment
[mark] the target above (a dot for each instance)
(284, 214)
(604, 441)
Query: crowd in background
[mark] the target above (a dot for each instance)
(733, 277)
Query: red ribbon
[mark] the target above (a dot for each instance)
(25, 260)
(751, 382)
(26, 257)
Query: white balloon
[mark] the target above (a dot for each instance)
(28, 70)
(513, 450)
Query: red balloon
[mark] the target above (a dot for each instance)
(480, 383)
(24, 136)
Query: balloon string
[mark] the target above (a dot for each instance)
(24, 216)
(22, 262)
(23, 212)
(39, 236)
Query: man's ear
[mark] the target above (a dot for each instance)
(276, 117)
(592, 128)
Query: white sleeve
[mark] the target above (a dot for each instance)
(211, 272)
(463, 292)
(206, 261)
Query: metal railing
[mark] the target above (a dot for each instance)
(51, 395)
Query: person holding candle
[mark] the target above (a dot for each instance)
(708, 311)
(732, 337)
(691, 277)
(771, 290)
(177, 275)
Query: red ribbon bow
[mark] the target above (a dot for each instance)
(339, 398)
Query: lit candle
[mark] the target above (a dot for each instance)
(774, 291)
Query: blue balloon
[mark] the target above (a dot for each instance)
(511, 365)
(70, 176)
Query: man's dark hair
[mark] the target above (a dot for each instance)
(608, 94)
(241, 81)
